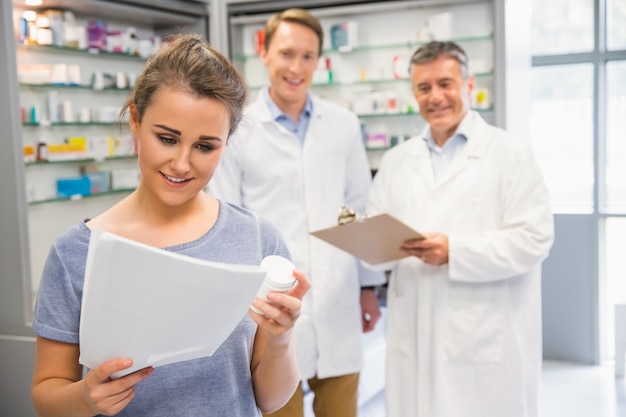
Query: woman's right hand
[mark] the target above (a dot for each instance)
(108, 396)
(282, 309)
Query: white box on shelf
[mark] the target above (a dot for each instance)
(344, 36)
(440, 26)
(59, 74)
(125, 178)
(34, 73)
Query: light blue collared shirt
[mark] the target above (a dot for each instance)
(298, 128)
(442, 156)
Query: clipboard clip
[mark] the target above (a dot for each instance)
(348, 215)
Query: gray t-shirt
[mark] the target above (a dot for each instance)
(219, 385)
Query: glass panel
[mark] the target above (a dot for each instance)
(561, 130)
(616, 24)
(562, 26)
(615, 289)
(615, 180)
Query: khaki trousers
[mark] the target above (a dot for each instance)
(334, 397)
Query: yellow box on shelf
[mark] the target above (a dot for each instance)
(67, 151)
(29, 153)
(77, 140)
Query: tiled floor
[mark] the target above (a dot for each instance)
(582, 391)
(375, 407)
(567, 390)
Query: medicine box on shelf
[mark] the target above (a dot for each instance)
(69, 187)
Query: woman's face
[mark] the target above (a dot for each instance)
(179, 143)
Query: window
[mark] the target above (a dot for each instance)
(615, 265)
(578, 129)
(561, 130)
(562, 26)
(616, 24)
(615, 178)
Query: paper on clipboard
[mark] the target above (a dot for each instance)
(375, 239)
(158, 307)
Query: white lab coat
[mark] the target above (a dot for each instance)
(301, 187)
(464, 339)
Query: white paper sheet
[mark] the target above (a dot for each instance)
(158, 307)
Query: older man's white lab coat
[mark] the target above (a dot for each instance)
(301, 187)
(464, 339)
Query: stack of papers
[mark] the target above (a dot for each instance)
(158, 307)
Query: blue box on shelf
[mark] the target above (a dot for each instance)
(344, 36)
(99, 177)
(69, 187)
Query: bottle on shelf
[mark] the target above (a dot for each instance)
(31, 28)
(53, 106)
(42, 150)
(44, 32)
(71, 36)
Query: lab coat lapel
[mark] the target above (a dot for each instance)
(263, 112)
(472, 151)
(423, 163)
(265, 117)
(315, 123)
(457, 167)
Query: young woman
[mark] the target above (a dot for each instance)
(184, 106)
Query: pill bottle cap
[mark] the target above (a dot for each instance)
(279, 272)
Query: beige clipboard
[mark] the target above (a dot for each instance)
(374, 239)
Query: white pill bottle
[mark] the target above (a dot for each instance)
(278, 277)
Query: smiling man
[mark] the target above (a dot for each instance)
(297, 159)
(464, 323)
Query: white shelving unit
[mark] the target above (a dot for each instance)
(48, 213)
(391, 31)
(371, 77)
(41, 176)
(18, 227)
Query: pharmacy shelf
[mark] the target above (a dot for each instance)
(79, 197)
(65, 124)
(371, 82)
(380, 115)
(88, 87)
(84, 52)
(80, 161)
(392, 46)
